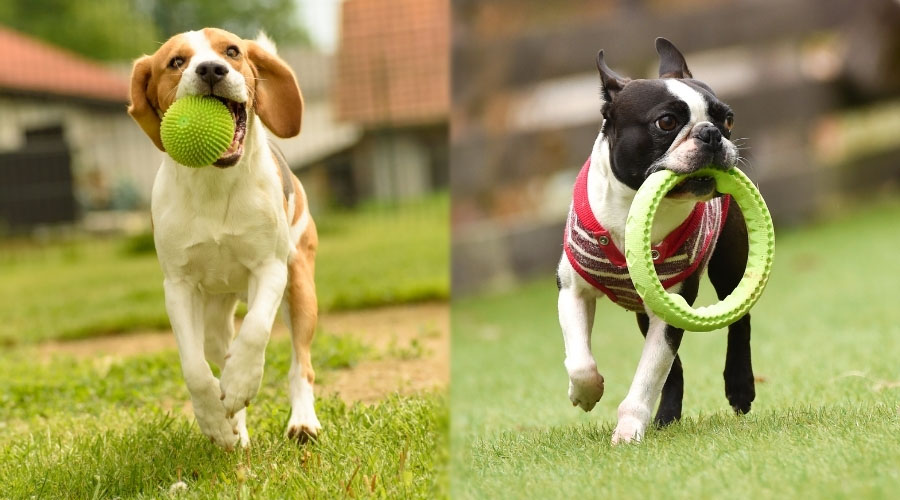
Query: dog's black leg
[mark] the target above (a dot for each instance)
(739, 383)
(726, 267)
(673, 390)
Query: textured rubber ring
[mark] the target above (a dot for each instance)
(671, 307)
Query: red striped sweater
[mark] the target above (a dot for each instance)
(594, 256)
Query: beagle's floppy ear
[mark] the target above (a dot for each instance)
(279, 103)
(143, 112)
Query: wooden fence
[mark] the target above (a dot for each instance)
(803, 57)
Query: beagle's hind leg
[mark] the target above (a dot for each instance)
(300, 311)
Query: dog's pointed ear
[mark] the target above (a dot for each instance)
(671, 62)
(140, 108)
(610, 81)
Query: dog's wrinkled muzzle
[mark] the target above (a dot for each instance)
(707, 136)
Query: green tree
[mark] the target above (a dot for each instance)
(245, 18)
(124, 29)
(99, 29)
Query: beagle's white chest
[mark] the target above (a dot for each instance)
(213, 232)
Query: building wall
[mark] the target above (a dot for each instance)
(113, 162)
(401, 163)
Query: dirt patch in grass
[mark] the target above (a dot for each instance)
(411, 345)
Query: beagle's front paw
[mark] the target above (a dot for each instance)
(240, 382)
(216, 426)
(585, 387)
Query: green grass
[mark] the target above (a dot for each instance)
(385, 255)
(824, 424)
(375, 256)
(96, 428)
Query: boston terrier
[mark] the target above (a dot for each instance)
(677, 123)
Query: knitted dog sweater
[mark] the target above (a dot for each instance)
(594, 256)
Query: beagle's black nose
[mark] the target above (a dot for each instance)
(212, 72)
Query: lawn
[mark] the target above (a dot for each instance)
(117, 426)
(112, 428)
(374, 256)
(826, 419)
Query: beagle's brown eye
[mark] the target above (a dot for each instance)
(176, 62)
(232, 52)
(667, 123)
(729, 122)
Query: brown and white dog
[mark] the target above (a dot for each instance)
(239, 231)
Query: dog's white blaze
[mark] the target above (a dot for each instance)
(231, 87)
(202, 49)
(696, 104)
(190, 81)
(694, 99)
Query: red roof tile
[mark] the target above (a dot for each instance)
(31, 65)
(393, 61)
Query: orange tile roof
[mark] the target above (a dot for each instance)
(393, 62)
(31, 65)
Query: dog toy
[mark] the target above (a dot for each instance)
(672, 307)
(196, 130)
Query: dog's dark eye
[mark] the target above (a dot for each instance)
(667, 123)
(176, 62)
(232, 52)
(729, 122)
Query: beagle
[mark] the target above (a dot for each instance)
(237, 230)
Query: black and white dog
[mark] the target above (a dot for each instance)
(675, 123)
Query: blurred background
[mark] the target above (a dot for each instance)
(76, 172)
(375, 89)
(90, 367)
(815, 86)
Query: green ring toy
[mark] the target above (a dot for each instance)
(672, 308)
(196, 130)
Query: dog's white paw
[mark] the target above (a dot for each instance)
(303, 430)
(240, 382)
(303, 425)
(585, 387)
(241, 426)
(628, 430)
(633, 420)
(217, 427)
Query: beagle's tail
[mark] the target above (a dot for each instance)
(263, 39)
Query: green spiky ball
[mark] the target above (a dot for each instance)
(196, 130)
